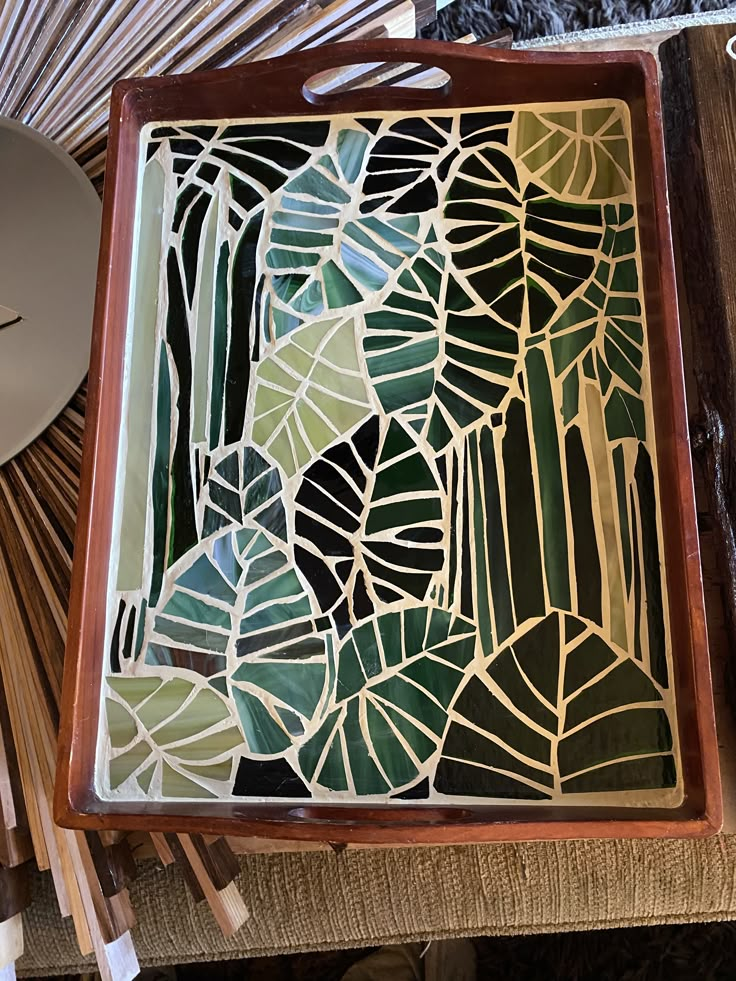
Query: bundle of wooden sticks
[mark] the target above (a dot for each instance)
(58, 61)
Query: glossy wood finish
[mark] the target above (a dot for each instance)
(273, 88)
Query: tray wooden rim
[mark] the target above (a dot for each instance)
(277, 83)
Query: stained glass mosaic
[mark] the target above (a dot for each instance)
(387, 523)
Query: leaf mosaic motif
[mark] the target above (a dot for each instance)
(389, 522)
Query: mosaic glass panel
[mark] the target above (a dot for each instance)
(387, 523)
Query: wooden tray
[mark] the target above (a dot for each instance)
(385, 548)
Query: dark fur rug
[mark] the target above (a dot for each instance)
(532, 18)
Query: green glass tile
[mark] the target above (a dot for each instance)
(644, 773)
(567, 347)
(215, 771)
(299, 239)
(315, 184)
(632, 732)
(285, 585)
(310, 301)
(507, 675)
(351, 148)
(413, 702)
(624, 415)
(570, 395)
(189, 608)
(185, 633)
(621, 339)
(350, 675)
(263, 735)
(584, 662)
(269, 371)
(120, 724)
(263, 566)
(395, 761)
(362, 269)
(619, 150)
(134, 690)
(140, 410)
(122, 766)
(168, 699)
(440, 679)
(400, 392)
(297, 360)
(311, 752)
(290, 259)
(301, 688)
(220, 684)
(174, 784)
(396, 442)
(302, 453)
(316, 429)
(207, 747)
(144, 778)
(367, 778)
(207, 261)
(332, 773)
(307, 222)
(594, 120)
(341, 414)
(205, 710)
(550, 479)
(624, 684)
(340, 292)
(621, 366)
(421, 745)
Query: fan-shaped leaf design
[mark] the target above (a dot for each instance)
(396, 676)
(368, 523)
(580, 152)
(522, 252)
(242, 597)
(310, 390)
(321, 256)
(241, 484)
(174, 738)
(413, 156)
(445, 371)
(558, 709)
(606, 321)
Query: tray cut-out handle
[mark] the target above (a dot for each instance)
(434, 94)
(300, 74)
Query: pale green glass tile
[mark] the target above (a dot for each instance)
(301, 450)
(120, 724)
(204, 711)
(340, 349)
(216, 771)
(208, 746)
(134, 690)
(174, 784)
(300, 362)
(125, 764)
(269, 398)
(144, 778)
(270, 371)
(318, 432)
(343, 415)
(142, 362)
(167, 700)
(593, 119)
(311, 337)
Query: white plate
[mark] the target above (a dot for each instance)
(49, 237)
